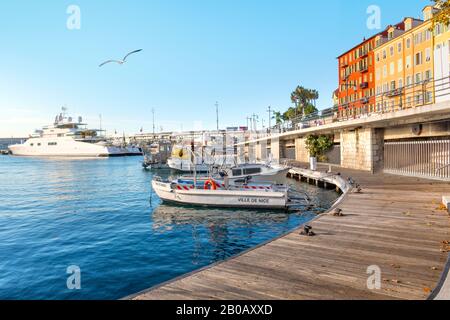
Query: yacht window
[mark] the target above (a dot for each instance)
(52, 144)
(252, 171)
(237, 172)
(31, 144)
(39, 144)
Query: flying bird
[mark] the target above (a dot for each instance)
(120, 61)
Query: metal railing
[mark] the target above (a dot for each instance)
(428, 158)
(397, 98)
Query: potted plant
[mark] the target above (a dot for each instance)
(317, 146)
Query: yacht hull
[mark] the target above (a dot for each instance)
(69, 148)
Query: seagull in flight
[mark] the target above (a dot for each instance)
(121, 61)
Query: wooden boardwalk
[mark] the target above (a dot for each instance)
(395, 224)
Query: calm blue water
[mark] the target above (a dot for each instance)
(100, 215)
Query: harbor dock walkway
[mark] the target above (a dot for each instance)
(396, 226)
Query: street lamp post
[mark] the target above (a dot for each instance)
(217, 115)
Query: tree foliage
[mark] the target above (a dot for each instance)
(443, 16)
(304, 100)
(304, 104)
(318, 145)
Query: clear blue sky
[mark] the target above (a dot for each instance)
(246, 54)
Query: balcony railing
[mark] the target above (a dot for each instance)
(395, 93)
(364, 69)
(411, 96)
(364, 85)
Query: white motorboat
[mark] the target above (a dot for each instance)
(275, 197)
(256, 173)
(69, 138)
(246, 173)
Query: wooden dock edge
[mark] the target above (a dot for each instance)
(331, 178)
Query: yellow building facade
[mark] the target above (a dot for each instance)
(442, 62)
(404, 64)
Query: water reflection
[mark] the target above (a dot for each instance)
(222, 229)
(97, 214)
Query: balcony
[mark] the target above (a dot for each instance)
(364, 69)
(364, 85)
(394, 93)
(365, 100)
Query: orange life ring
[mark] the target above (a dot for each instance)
(210, 183)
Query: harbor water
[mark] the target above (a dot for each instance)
(100, 216)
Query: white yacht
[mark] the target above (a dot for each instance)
(69, 138)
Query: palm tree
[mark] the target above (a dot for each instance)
(302, 98)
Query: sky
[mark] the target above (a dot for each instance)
(244, 54)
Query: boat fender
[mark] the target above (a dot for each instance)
(210, 183)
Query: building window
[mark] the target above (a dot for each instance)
(428, 75)
(419, 99)
(418, 78)
(400, 83)
(384, 54)
(408, 43)
(392, 68)
(400, 65)
(438, 29)
(385, 71)
(418, 58)
(408, 62)
(408, 25)
(399, 47)
(408, 81)
(428, 54)
(393, 85)
(391, 50)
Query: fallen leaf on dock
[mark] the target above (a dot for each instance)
(396, 266)
(442, 207)
(427, 290)
(445, 246)
(434, 268)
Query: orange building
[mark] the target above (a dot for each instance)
(357, 80)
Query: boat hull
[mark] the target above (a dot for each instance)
(69, 148)
(221, 198)
(186, 166)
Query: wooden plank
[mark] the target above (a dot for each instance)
(393, 224)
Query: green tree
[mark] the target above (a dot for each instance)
(278, 117)
(304, 100)
(317, 145)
